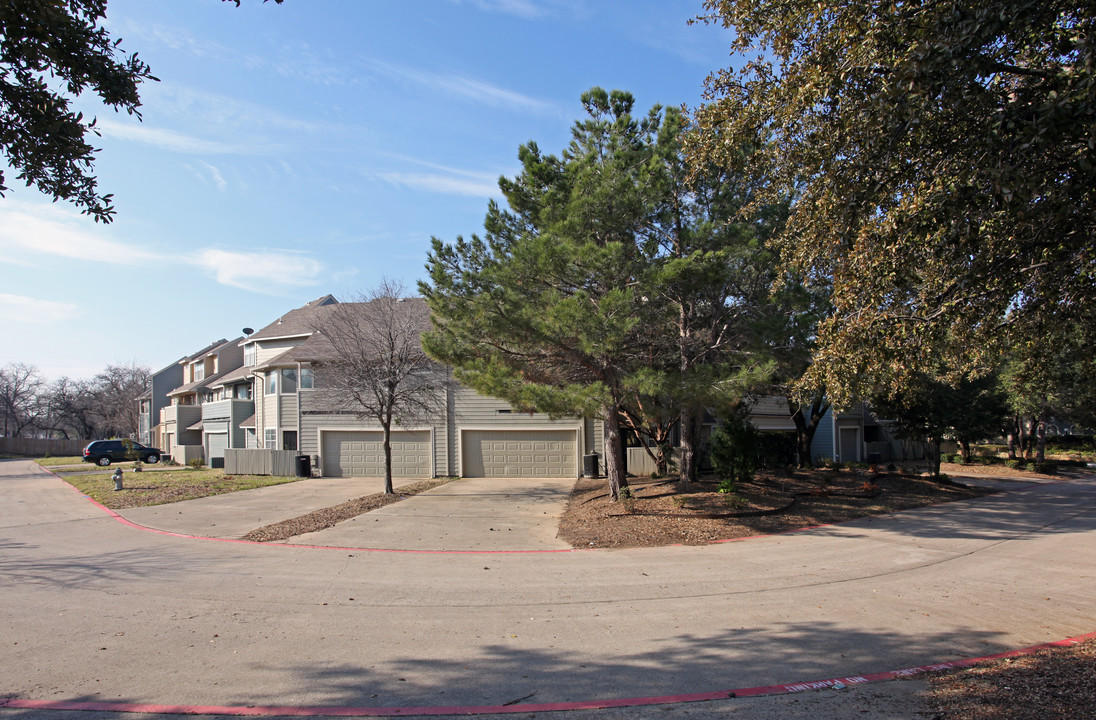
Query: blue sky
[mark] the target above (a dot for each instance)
(311, 147)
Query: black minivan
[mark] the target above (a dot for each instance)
(104, 452)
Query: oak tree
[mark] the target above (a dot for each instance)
(943, 158)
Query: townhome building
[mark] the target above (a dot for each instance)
(181, 424)
(155, 399)
(469, 434)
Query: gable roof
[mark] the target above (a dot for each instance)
(318, 347)
(294, 323)
(204, 351)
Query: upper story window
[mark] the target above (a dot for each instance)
(199, 372)
(251, 355)
(289, 381)
(272, 382)
(307, 379)
(242, 392)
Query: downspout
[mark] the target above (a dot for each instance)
(300, 430)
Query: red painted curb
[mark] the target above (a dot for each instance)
(334, 711)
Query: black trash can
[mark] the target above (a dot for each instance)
(589, 465)
(304, 466)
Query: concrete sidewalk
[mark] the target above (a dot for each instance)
(464, 514)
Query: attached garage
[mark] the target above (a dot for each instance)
(216, 444)
(519, 453)
(360, 453)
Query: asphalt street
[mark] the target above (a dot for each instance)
(95, 610)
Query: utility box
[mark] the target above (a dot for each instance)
(590, 465)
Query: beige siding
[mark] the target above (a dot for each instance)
(270, 349)
(287, 413)
(475, 412)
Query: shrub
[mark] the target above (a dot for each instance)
(1017, 464)
(734, 449)
(1046, 468)
(194, 463)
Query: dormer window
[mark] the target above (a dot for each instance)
(251, 355)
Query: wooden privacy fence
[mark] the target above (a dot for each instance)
(240, 461)
(40, 447)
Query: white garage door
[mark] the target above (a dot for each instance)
(216, 443)
(519, 453)
(361, 454)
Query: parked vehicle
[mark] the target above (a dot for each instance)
(104, 452)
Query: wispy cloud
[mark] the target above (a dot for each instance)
(445, 184)
(463, 86)
(20, 308)
(295, 60)
(218, 178)
(260, 271)
(172, 140)
(521, 8)
(443, 179)
(52, 231)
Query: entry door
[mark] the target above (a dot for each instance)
(849, 444)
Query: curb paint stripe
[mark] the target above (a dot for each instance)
(334, 711)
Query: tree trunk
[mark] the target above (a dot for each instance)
(690, 440)
(964, 449)
(1013, 437)
(934, 457)
(1041, 445)
(805, 428)
(614, 452)
(388, 489)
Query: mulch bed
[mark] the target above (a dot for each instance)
(329, 517)
(662, 513)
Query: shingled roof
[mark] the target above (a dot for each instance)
(297, 322)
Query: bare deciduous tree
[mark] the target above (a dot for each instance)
(117, 388)
(20, 388)
(375, 365)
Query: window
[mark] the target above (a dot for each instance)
(242, 392)
(270, 439)
(199, 372)
(289, 381)
(289, 440)
(251, 355)
(306, 379)
(272, 382)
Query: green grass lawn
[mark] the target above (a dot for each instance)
(165, 486)
(59, 461)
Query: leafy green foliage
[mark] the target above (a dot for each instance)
(734, 450)
(614, 285)
(50, 53)
(943, 154)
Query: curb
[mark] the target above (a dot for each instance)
(336, 711)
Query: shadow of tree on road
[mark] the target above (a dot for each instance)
(1031, 511)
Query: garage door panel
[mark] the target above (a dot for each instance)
(519, 453)
(361, 453)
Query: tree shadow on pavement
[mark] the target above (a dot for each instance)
(1058, 508)
(497, 674)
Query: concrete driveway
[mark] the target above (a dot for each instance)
(464, 514)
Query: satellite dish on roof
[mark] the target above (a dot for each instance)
(248, 331)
